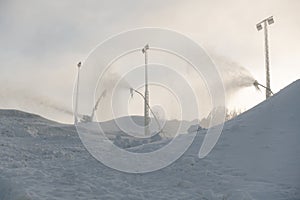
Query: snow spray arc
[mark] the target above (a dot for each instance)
(101, 63)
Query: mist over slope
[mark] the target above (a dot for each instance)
(256, 157)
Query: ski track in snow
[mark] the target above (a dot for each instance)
(256, 157)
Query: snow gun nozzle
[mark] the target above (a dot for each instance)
(256, 84)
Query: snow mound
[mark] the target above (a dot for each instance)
(257, 157)
(264, 141)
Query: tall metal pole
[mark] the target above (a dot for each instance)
(268, 93)
(264, 25)
(76, 97)
(146, 107)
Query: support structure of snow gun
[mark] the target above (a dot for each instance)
(131, 93)
(89, 118)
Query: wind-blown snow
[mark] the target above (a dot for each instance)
(256, 157)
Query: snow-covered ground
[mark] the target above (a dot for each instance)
(256, 157)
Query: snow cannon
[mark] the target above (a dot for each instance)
(86, 119)
(90, 118)
(257, 84)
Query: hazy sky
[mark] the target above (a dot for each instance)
(42, 41)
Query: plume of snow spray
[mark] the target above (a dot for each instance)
(17, 97)
(234, 76)
(110, 91)
(47, 102)
(113, 80)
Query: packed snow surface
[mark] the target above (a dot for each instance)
(256, 157)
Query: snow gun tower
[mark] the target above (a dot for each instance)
(146, 107)
(76, 97)
(264, 25)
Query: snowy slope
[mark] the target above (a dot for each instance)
(256, 157)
